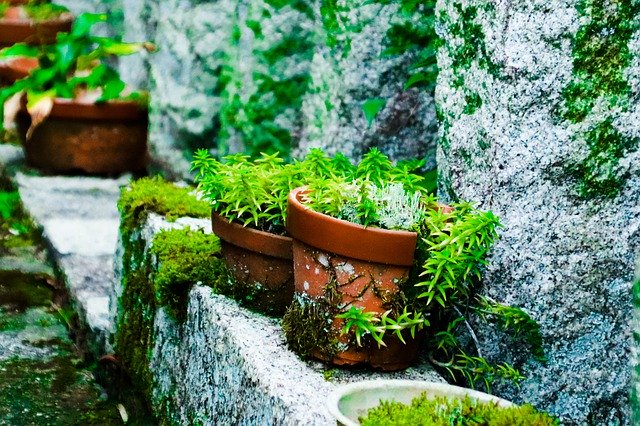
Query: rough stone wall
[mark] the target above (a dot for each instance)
(351, 65)
(635, 351)
(252, 76)
(541, 123)
(183, 75)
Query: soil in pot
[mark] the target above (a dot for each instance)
(101, 139)
(16, 27)
(259, 263)
(338, 264)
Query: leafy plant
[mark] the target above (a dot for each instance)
(457, 243)
(367, 323)
(76, 66)
(254, 192)
(374, 193)
(453, 244)
(40, 10)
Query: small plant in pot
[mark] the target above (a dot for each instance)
(249, 199)
(354, 244)
(73, 112)
(378, 261)
(33, 22)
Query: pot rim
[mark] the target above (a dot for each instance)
(63, 19)
(348, 239)
(252, 239)
(113, 110)
(373, 386)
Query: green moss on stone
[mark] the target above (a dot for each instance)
(134, 339)
(473, 102)
(599, 174)
(152, 194)
(472, 47)
(51, 392)
(442, 411)
(305, 326)
(184, 257)
(600, 58)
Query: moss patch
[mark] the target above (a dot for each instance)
(19, 291)
(185, 257)
(145, 289)
(307, 326)
(51, 392)
(134, 339)
(445, 412)
(600, 57)
(152, 194)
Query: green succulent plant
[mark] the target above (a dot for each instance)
(254, 192)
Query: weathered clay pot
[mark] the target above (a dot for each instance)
(16, 69)
(16, 29)
(258, 261)
(363, 266)
(104, 139)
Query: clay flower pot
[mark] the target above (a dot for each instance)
(16, 69)
(346, 264)
(260, 264)
(81, 136)
(14, 28)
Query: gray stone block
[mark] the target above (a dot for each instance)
(227, 365)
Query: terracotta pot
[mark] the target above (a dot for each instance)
(103, 139)
(362, 266)
(259, 262)
(16, 69)
(16, 29)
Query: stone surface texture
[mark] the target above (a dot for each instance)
(542, 128)
(79, 221)
(349, 67)
(257, 76)
(237, 360)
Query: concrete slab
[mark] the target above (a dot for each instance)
(86, 237)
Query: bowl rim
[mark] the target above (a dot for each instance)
(333, 401)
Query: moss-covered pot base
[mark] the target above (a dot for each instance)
(334, 283)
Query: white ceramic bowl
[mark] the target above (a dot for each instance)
(348, 402)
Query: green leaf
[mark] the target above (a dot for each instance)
(111, 90)
(83, 23)
(371, 108)
(20, 50)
